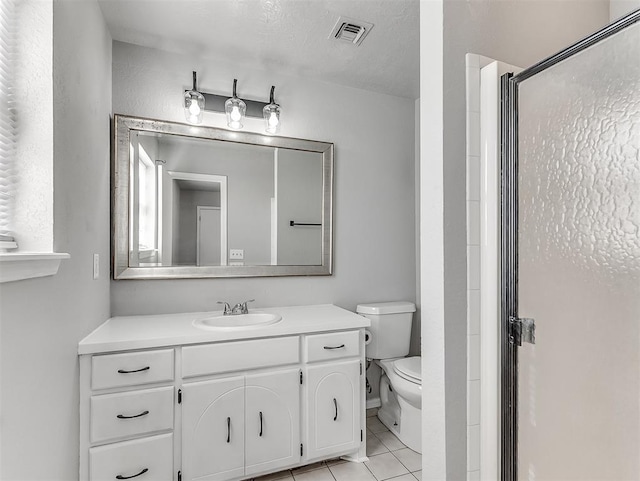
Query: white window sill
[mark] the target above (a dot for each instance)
(15, 266)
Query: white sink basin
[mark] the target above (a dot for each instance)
(232, 322)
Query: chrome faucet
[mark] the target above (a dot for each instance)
(239, 308)
(227, 308)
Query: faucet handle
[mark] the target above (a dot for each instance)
(227, 307)
(245, 309)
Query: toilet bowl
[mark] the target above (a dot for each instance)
(401, 399)
(401, 381)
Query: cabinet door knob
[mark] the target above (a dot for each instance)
(123, 371)
(335, 404)
(120, 476)
(122, 416)
(334, 347)
(260, 424)
(228, 430)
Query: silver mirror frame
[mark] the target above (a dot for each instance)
(122, 127)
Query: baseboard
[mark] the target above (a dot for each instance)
(373, 403)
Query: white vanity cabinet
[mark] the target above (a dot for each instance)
(127, 416)
(333, 393)
(333, 422)
(239, 426)
(220, 408)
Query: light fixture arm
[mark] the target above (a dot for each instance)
(194, 81)
(235, 84)
(271, 100)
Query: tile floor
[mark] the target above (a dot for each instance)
(389, 459)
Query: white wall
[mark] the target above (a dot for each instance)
(434, 450)
(43, 319)
(33, 215)
(520, 33)
(374, 184)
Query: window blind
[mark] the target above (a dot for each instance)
(8, 134)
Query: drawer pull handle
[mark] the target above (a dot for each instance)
(228, 430)
(120, 476)
(334, 347)
(122, 416)
(123, 371)
(335, 404)
(260, 424)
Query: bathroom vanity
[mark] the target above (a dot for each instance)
(184, 396)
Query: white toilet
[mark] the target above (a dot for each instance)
(401, 382)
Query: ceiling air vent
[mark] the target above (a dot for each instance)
(349, 30)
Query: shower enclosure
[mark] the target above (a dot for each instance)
(571, 262)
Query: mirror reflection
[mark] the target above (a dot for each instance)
(203, 202)
(193, 202)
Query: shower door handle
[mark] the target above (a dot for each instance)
(522, 329)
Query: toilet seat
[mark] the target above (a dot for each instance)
(409, 368)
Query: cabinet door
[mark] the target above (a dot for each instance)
(333, 397)
(272, 420)
(213, 429)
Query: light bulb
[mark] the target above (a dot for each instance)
(194, 108)
(235, 114)
(273, 120)
(235, 109)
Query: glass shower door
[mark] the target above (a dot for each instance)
(578, 265)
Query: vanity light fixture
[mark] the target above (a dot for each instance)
(193, 104)
(271, 114)
(235, 108)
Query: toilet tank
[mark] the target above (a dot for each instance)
(390, 328)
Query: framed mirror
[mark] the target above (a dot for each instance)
(192, 202)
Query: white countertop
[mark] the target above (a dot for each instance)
(140, 332)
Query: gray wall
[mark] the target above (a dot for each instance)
(186, 236)
(43, 319)
(249, 172)
(519, 33)
(374, 181)
(299, 199)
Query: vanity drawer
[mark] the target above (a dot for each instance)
(153, 454)
(131, 368)
(239, 356)
(130, 413)
(333, 345)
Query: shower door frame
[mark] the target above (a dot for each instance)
(509, 238)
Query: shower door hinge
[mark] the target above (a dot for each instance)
(522, 329)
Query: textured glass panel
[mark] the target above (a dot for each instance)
(579, 265)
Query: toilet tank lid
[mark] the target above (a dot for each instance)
(395, 307)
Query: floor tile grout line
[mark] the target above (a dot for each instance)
(400, 461)
(369, 469)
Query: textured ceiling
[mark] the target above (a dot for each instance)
(289, 34)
